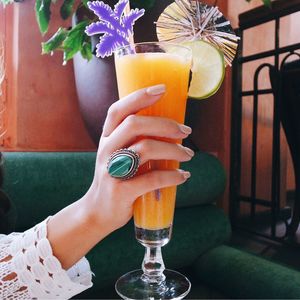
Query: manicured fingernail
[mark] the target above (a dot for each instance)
(185, 129)
(185, 174)
(189, 151)
(156, 90)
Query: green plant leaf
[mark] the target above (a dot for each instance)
(267, 3)
(74, 40)
(55, 42)
(84, 2)
(86, 51)
(43, 13)
(66, 8)
(5, 2)
(142, 4)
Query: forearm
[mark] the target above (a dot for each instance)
(73, 231)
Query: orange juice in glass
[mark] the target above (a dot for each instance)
(139, 66)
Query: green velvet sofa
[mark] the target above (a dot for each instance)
(39, 184)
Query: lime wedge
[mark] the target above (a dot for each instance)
(208, 69)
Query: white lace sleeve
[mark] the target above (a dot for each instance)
(28, 269)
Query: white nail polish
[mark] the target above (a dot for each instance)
(156, 90)
(189, 151)
(185, 129)
(186, 174)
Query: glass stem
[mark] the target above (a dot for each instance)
(153, 266)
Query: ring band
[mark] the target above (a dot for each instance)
(123, 164)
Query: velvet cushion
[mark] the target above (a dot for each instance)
(242, 275)
(207, 182)
(41, 183)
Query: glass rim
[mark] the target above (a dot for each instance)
(153, 43)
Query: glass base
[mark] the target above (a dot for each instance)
(131, 286)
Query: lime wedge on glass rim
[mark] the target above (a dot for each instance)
(208, 69)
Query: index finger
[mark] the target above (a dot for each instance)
(131, 104)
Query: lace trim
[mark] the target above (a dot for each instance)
(29, 270)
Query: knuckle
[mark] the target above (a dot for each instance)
(113, 110)
(131, 122)
(145, 146)
(100, 154)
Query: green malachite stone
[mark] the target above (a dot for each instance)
(120, 166)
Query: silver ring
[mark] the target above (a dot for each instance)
(123, 164)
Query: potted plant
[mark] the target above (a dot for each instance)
(95, 78)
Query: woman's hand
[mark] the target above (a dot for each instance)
(108, 204)
(111, 200)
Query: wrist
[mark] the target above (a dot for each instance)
(73, 231)
(92, 217)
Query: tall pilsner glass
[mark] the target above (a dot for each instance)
(139, 66)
